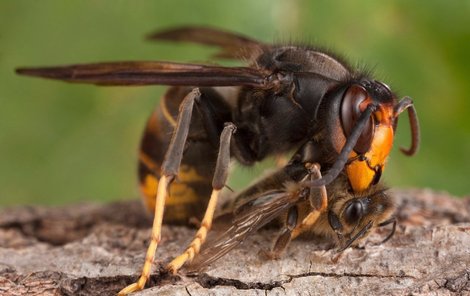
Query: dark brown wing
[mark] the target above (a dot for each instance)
(248, 218)
(232, 45)
(152, 73)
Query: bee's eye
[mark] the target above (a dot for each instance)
(353, 212)
(352, 107)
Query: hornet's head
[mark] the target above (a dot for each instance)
(368, 116)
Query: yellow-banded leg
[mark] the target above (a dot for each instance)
(190, 192)
(169, 170)
(292, 228)
(218, 182)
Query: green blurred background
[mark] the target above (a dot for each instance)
(62, 143)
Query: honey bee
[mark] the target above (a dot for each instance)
(331, 211)
(290, 98)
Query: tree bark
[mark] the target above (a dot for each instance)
(93, 249)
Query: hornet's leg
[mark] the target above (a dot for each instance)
(218, 182)
(318, 205)
(170, 169)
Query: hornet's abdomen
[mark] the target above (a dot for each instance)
(191, 190)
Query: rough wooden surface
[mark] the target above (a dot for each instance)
(97, 249)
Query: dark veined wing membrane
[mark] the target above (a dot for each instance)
(248, 218)
(152, 73)
(237, 46)
(232, 45)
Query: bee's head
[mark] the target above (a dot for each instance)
(353, 217)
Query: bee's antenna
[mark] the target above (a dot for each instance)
(394, 227)
(354, 238)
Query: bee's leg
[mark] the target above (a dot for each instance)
(285, 236)
(318, 205)
(218, 182)
(291, 228)
(170, 168)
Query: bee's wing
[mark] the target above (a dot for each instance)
(248, 218)
(232, 45)
(152, 73)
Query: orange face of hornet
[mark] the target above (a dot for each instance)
(366, 169)
(367, 159)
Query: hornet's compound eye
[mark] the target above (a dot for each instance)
(353, 104)
(353, 212)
